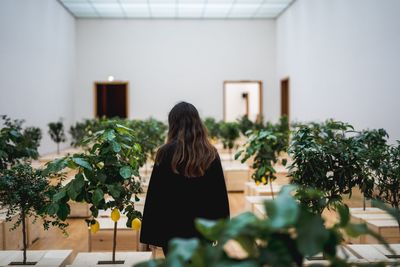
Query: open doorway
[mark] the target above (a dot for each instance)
(242, 98)
(111, 99)
(285, 97)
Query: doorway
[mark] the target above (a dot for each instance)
(111, 99)
(242, 98)
(285, 97)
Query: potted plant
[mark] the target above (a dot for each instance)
(388, 178)
(107, 177)
(265, 146)
(78, 132)
(17, 144)
(245, 124)
(288, 236)
(56, 132)
(229, 133)
(212, 128)
(25, 192)
(150, 134)
(374, 148)
(327, 157)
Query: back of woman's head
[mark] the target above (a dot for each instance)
(193, 152)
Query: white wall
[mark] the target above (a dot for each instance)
(166, 61)
(343, 60)
(37, 63)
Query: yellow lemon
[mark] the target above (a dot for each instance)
(115, 215)
(263, 180)
(136, 224)
(95, 227)
(257, 183)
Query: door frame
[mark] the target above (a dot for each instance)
(285, 79)
(95, 83)
(260, 83)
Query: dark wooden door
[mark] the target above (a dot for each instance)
(111, 100)
(285, 97)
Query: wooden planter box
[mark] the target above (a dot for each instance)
(378, 221)
(34, 230)
(388, 229)
(42, 257)
(263, 190)
(10, 239)
(127, 239)
(92, 259)
(236, 175)
(79, 209)
(251, 201)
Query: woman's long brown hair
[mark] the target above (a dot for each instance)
(193, 152)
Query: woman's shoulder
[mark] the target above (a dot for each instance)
(165, 152)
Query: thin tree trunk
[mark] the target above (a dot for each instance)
(272, 189)
(24, 235)
(364, 203)
(58, 148)
(114, 241)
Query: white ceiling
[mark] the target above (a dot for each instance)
(177, 9)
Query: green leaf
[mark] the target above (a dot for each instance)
(187, 247)
(52, 209)
(311, 233)
(126, 172)
(98, 196)
(116, 147)
(210, 229)
(283, 211)
(83, 163)
(110, 134)
(344, 214)
(78, 183)
(63, 211)
(59, 195)
(115, 190)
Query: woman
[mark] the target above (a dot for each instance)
(187, 182)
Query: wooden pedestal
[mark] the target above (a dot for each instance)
(236, 175)
(378, 221)
(92, 259)
(34, 230)
(10, 239)
(42, 257)
(79, 209)
(127, 239)
(251, 201)
(388, 229)
(251, 189)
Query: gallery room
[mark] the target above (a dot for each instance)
(201, 133)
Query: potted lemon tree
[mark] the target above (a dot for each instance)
(16, 143)
(26, 193)
(107, 178)
(57, 134)
(326, 156)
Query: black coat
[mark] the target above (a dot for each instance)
(173, 202)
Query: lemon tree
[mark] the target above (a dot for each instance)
(107, 178)
(26, 193)
(265, 145)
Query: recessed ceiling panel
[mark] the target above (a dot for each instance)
(177, 9)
